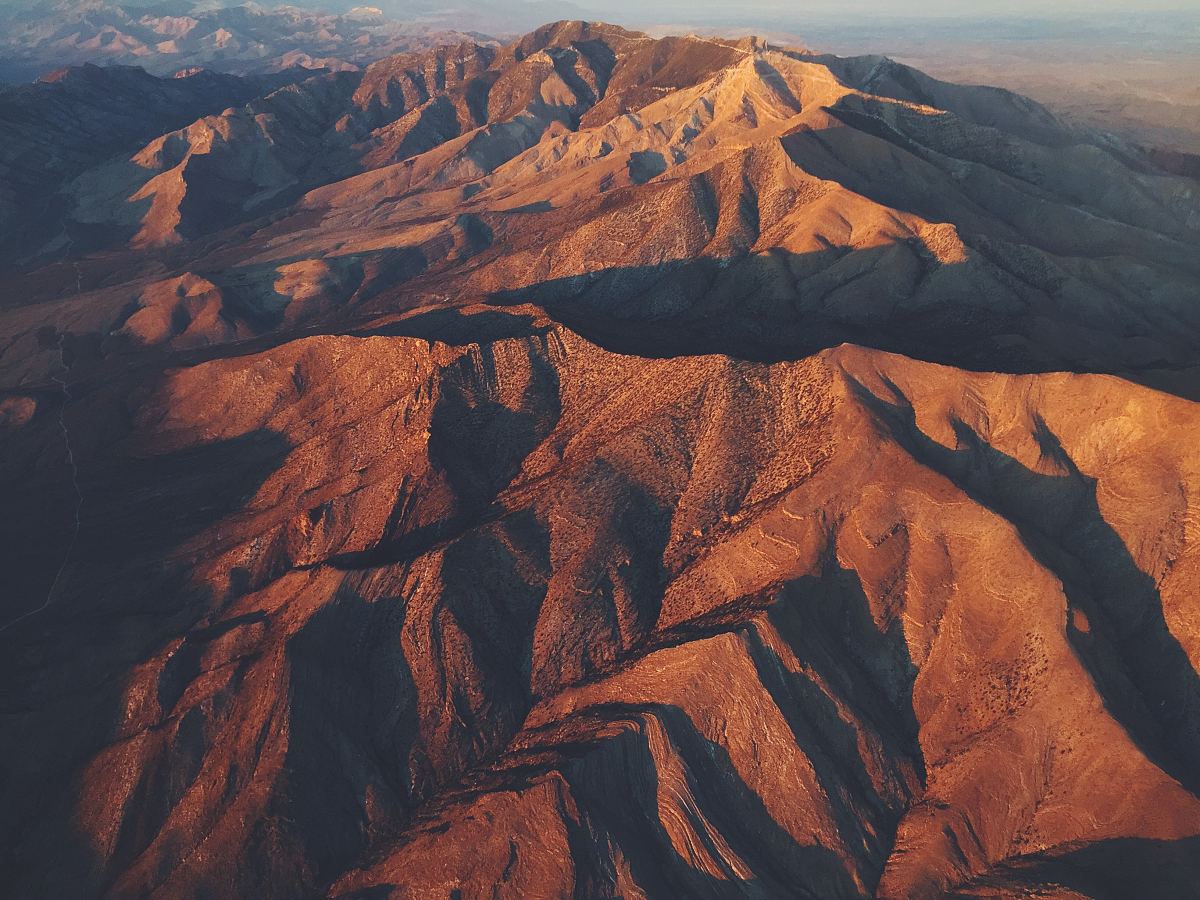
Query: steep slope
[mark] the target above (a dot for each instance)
(75, 118)
(748, 599)
(464, 110)
(982, 234)
(607, 467)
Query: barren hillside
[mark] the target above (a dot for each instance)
(602, 467)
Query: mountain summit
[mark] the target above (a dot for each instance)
(596, 466)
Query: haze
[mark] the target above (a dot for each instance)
(908, 10)
(698, 9)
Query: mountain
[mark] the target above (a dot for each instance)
(165, 37)
(606, 467)
(76, 118)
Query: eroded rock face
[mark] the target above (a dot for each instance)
(582, 492)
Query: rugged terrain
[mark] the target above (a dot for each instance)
(603, 467)
(172, 35)
(1125, 68)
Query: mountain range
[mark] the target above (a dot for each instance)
(594, 466)
(175, 35)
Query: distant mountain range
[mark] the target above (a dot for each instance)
(164, 38)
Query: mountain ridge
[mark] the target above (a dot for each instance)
(601, 466)
(166, 38)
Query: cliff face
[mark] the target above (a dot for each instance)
(607, 467)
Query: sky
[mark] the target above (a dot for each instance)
(665, 9)
(794, 16)
(873, 22)
(907, 9)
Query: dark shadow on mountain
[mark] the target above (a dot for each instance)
(134, 509)
(1143, 674)
(826, 620)
(437, 122)
(705, 305)
(457, 327)
(494, 584)
(354, 720)
(1116, 869)
(538, 206)
(476, 440)
(1182, 382)
(982, 188)
(644, 165)
(40, 506)
(353, 724)
(778, 305)
(98, 113)
(616, 782)
(183, 666)
(772, 77)
(123, 595)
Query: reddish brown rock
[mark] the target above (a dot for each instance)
(592, 496)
